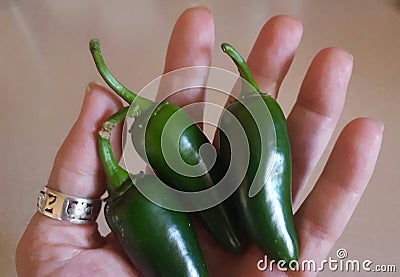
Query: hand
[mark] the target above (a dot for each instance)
(51, 247)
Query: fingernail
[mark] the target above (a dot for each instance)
(198, 5)
(86, 97)
(381, 124)
(350, 56)
(94, 84)
(378, 122)
(88, 89)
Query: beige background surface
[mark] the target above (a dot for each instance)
(45, 66)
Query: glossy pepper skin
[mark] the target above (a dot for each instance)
(158, 241)
(220, 220)
(183, 137)
(268, 216)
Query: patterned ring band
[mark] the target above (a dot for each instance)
(60, 206)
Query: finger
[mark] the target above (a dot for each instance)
(273, 52)
(316, 111)
(191, 44)
(77, 172)
(323, 216)
(77, 168)
(271, 56)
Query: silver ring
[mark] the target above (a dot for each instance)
(64, 207)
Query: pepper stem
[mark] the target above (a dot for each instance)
(116, 175)
(242, 66)
(142, 103)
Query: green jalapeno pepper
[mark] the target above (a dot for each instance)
(158, 241)
(267, 216)
(166, 127)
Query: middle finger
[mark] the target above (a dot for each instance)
(191, 44)
(273, 52)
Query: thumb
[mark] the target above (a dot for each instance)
(77, 171)
(77, 167)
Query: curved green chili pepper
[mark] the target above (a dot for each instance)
(158, 241)
(220, 220)
(182, 137)
(126, 94)
(268, 216)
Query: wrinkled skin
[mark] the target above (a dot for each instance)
(49, 247)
